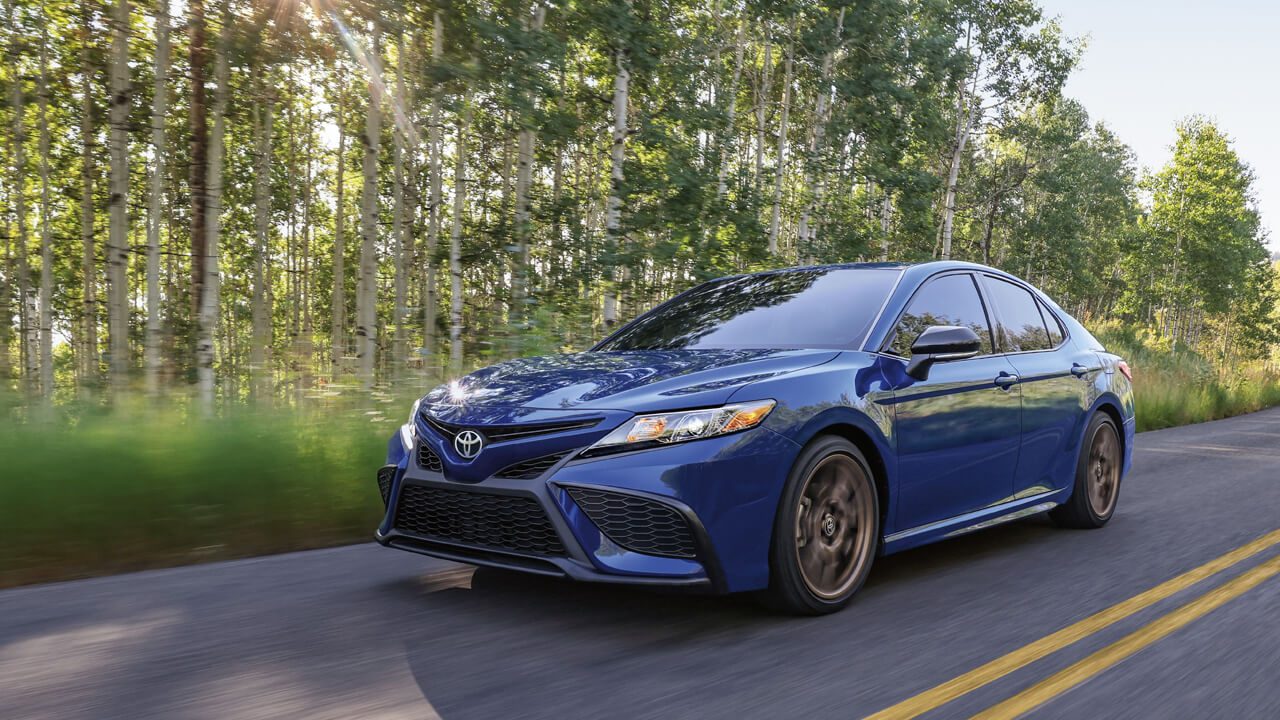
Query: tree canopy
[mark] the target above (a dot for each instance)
(260, 198)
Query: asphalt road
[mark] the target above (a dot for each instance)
(363, 632)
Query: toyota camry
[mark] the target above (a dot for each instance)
(772, 432)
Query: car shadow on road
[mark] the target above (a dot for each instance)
(502, 646)
(527, 632)
(957, 553)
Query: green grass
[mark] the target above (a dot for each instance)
(133, 490)
(1181, 388)
(88, 492)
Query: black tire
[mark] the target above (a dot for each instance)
(1097, 484)
(826, 532)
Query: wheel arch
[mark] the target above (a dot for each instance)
(818, 439)
(1110, 406)
(867, 445)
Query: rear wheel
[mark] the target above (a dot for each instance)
(826, 531)
(1097, 485)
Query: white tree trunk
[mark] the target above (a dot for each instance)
(964, 124)
(807, 233)
(338, 301)
(886, 215)
(731, 112)
(367, 292)
(27, 340)
(208, 318)
(613, 207)
(156, 205)
(6, 278)
(89, 303)
(118, 237)
(455, 240)
(435, 146)
(524, 175)
(293, 299)
(399, 344)
(762, 103)
(46, 237)
(264, 124)
(307, 285)
(6, 287)
(779, 176)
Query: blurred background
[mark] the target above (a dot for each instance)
(238, 238)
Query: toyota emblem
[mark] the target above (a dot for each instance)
(468, 443)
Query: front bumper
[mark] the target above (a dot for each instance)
(722, 491)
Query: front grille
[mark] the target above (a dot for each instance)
(502, 522)
(503, 433)
(386, 475)
(530, 469)
(636, 523)
(428, 459)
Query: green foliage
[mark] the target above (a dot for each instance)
(1201, 220)
(1178, 387)
(126, 490)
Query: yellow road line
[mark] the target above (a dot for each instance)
(998, 668)
(1060, 682)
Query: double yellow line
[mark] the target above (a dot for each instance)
(1070, 677)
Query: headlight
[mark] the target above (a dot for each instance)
(409, 430)
(667, 428)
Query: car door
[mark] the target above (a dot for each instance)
(958, 431)
(1054, 377)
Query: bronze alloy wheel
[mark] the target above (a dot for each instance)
(1097, 478)
(835, 524)
(1104, 470)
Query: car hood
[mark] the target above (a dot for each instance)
(636, 381)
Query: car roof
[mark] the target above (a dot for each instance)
(921, 269)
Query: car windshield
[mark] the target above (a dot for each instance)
(812, 308)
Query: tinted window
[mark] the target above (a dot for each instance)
(813, 308)
(948, 300)
(1055, 327)
(1022, 328)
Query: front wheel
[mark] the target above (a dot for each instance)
(1097, 485)
(826, 531)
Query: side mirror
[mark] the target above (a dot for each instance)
(941, 343)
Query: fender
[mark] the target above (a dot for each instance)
(1111, 400)
(850, 392)
(869, 437)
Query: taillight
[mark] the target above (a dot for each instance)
(1123, 367)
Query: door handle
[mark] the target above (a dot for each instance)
(1005, 380)
(1078, 370)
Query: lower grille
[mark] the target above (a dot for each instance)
(386, 476)
(428, 459)
(502, 522)
(637, 523)
(530, 469)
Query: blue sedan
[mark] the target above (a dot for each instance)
(771, 432)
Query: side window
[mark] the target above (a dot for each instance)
(1022, 328)
(1052, 322)
(948, 300)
